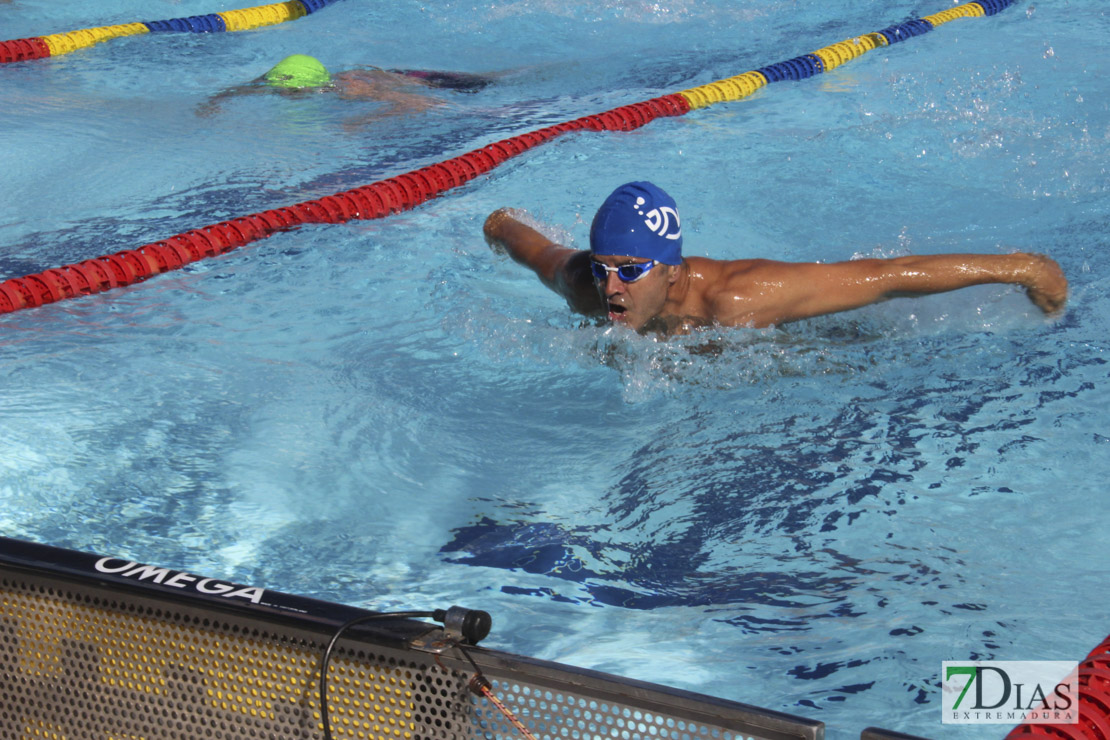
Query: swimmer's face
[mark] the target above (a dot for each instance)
(633, 304)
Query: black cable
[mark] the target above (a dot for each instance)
(331, 647)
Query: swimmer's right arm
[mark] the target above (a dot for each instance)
(562, 269)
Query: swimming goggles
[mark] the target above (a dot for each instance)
(629, 273)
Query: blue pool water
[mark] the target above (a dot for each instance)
(386, 414)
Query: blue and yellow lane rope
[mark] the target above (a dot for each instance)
(39, 47)
(832, 56)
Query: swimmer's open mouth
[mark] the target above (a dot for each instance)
(616, 308)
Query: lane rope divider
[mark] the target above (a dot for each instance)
(40, 47)
(406, 191)
(1093, 706)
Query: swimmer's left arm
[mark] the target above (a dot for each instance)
(1041, 277)
(777, 292)
(212, 104)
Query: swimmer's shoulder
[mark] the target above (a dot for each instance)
(721, 287)
(711, 276)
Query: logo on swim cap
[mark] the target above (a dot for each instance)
(298, 70)
(638, 220)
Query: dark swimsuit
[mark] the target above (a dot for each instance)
(457, 81)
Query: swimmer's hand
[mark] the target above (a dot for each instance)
(207, 108)
(494, 229)
(1045, 283)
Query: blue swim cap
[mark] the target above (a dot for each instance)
(638, 220)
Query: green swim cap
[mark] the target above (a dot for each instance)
(299, 70)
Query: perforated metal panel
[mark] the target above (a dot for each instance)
(81, 666)
(553, 714)
(138, 661)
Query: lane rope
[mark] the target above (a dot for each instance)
(406, 191)
(1093, 722)
(40, 47)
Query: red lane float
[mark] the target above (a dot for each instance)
(1094, 704)
(21, 50)
(393, 195)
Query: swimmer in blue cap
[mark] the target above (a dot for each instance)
(635, 275)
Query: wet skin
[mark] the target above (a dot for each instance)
(756, 292)
(634, 304)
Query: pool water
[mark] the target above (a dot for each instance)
(385, 413)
